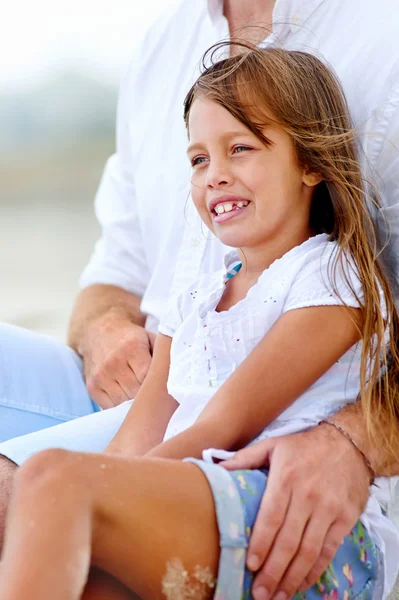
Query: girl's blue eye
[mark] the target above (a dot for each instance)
(239, 149)
(198, 160)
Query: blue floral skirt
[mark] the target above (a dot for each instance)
(238, 494)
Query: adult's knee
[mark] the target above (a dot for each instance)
(7, 475)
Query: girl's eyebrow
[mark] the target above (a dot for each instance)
(227, 136)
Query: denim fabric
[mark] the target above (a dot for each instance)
(41, 383)
(350, 576)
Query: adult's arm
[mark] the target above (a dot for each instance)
(107, 326)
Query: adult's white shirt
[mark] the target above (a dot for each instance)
(151, 240)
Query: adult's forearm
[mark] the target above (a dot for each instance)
(352, 420)
(96, 301)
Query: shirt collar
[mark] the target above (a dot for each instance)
(295, 12)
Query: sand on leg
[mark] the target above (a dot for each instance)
(129, 517)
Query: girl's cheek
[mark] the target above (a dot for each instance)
(200, 205)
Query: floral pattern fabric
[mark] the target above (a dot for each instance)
(238, 494)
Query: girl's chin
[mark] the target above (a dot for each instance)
(234, 241)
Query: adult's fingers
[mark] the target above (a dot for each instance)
(271, 517)
(252, 457)
(305, 558)
(332, 541)
(101, 398)
(105, 391)
(287, 540)
(121, 376)
(140, 363)
(128, 381)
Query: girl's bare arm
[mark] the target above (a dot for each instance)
(146, 422)
(301, 346)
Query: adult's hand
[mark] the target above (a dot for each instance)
(316, 491)
(117, 355)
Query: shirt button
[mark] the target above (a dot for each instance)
(296, 20)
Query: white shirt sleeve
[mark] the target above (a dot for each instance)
(190, 300)
(325, 281)
(119, 257)
(173, 315)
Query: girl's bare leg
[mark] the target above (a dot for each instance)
(149, 523)
(102, 586)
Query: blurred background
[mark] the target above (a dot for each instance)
(60, 66)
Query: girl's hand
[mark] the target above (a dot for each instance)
(316, 491)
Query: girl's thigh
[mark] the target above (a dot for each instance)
(153, 521)
(102, 586)
(171, 529)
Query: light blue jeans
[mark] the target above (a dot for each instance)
(41, 385)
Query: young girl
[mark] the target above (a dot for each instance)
(300, 321)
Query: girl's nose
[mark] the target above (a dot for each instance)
(218, 176)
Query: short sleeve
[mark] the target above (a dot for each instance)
(191, 300)
(325, 279)
(172, 318)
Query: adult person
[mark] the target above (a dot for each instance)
(152, 246)
(259, 167)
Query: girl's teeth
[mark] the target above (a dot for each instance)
(228, 206)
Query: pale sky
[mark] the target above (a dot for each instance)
(41, 36)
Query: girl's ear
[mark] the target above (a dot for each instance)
(310, 178)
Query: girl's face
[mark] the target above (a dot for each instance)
(247, 193)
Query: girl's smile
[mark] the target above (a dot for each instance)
(226, 207)
(249, 193)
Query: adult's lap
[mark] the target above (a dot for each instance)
(86, 434)
(40, 376)
(41, 383)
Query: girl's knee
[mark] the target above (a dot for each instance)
(53, 467)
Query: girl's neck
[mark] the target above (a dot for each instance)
(257, 259)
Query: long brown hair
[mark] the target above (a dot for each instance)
(297, 92)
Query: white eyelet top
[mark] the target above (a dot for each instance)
(208, 345)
